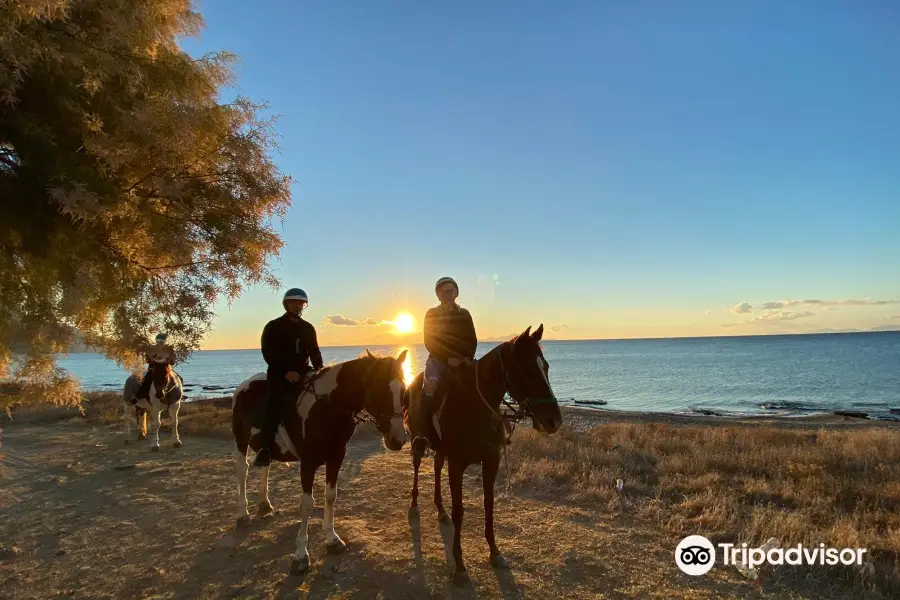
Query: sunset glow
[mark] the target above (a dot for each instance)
(404, 323)
(408, 374)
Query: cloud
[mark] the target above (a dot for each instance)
(557, 327)
(746, 307)
(775, 315)
(867, 302)
(741, 308)
(709, 311)
(348, 322)
(339, 320)
(818, 302)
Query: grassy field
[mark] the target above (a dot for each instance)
(836, 482)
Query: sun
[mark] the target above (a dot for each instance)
(404, 323)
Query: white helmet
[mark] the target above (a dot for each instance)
(444, 280)
(295, 294)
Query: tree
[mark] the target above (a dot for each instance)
(131, 197)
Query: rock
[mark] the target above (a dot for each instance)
(10, 552)
(61, 552)
(852, 413)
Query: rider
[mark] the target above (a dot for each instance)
(450, 340)
(288, 345)
(160, 353)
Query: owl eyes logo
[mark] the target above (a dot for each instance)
(695, 555)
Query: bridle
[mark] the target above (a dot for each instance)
(359, 415)
(171, 381)
(519, 407)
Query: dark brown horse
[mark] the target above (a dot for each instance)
(320, 420)
(470, 429)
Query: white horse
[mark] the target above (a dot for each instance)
(166, 392)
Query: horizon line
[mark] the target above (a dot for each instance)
(619, 339)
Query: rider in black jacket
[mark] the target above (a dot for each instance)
(288, 345)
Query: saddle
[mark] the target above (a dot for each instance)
(293, 391)
(452, 382)
(449, 383)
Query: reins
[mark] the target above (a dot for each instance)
(361, 415)
(517, 412)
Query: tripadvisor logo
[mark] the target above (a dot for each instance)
(696, 555)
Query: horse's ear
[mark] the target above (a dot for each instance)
(369, 354)
(538, 333)
(524, 335)
(402, 357)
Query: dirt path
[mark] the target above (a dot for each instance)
(92, 518)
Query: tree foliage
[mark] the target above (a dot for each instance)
(131, 197)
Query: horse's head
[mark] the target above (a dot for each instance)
(161, 376)
(384, 391)
(528, 380)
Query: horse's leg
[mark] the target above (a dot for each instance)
(140, 416)
(443, 517)
(456, 469)
(173, 415)
(127, 420)
(241, 467)
(414, 495)
(156, 413)
(489, 469)
(333, 543)
(301, 556)
(264, 507)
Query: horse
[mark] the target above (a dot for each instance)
(166, 391)
(326, 410)
(467, 427)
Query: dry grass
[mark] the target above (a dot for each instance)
(737, 484)
(210, 417)
(734, 483)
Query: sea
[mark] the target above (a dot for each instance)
(787, 375)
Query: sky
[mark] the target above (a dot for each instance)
(611, 170)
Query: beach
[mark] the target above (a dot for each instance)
(92, 517)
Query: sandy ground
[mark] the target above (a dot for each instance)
(84, 516)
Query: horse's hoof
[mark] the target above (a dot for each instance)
(413, 512)
(299, 567)
(498, 562)
(461, 579)
(444, 518)
(178, 444)
(265, 508)
(154, 448)
(142, 437)
(243, 522)
(336, 547)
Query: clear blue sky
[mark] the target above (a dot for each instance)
(624, 168)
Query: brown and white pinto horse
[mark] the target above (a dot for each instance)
(470, 429)
(316, 431)
(166, 392)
